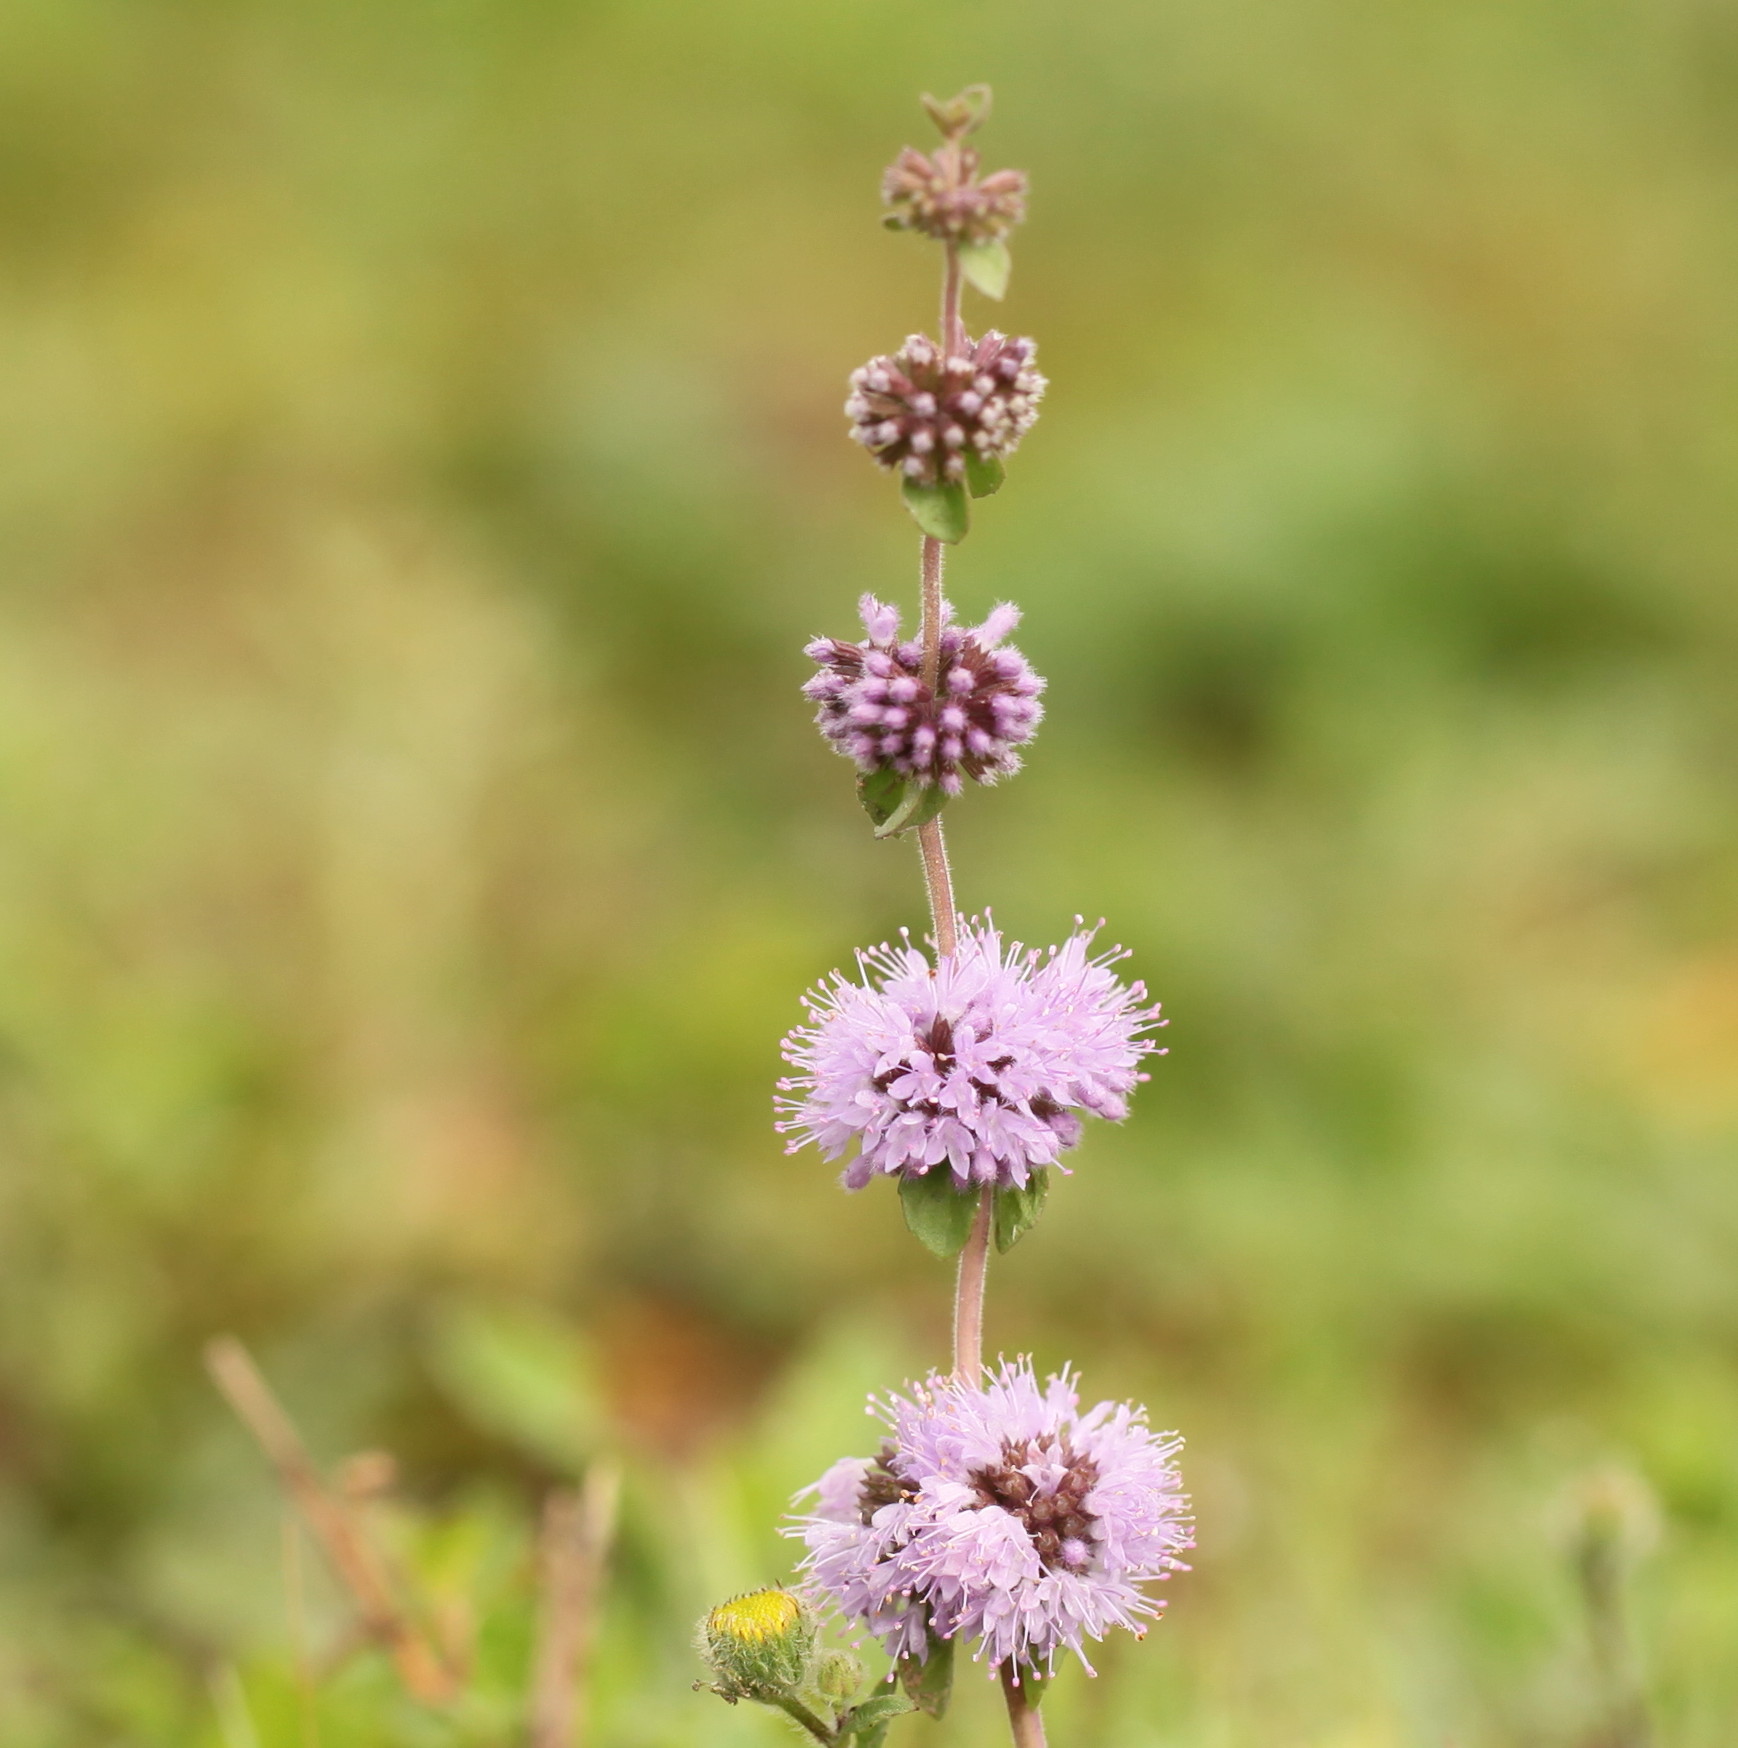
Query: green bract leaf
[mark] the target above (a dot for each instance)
(929, 1679)
(1017, 1211)
(938, 1214)
(961, 114)
(942, 512)
(882, 793)
(921, 803)
(984, 474)
(987, 266)
(866, 1721)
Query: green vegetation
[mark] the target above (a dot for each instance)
(422, 466)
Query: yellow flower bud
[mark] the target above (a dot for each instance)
(761, 1639)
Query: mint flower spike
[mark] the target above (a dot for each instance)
(947, 420)
(876, 708)
(999, 1514)
(977, 1068)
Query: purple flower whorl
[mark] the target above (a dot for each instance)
(876, 710)
(1001, 1514)
(979, 1064)
(918, 412)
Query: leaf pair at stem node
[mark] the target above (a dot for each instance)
(940, 1214)
(944, 511)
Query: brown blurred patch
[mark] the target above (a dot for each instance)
(675, 1377)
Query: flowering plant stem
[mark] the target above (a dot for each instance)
(968, 1299)
(968, 1310)
(974, 1266)
(930, 841)
(1023, 1719)
(931, 844)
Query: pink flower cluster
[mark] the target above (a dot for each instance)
(979, 1065)
(1000, 1514)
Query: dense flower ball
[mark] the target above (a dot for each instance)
(978, 1065)
(918, 412)
(923, 194)
(1000, 1514)
(876, 709)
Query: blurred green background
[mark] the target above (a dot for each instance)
(422, 467)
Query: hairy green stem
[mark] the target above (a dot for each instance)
(793, 1707)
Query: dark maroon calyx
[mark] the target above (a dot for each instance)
(882, 1485)
(1053, 1519)
(938, 1044)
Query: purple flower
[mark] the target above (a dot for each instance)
(1000, 1514)
(918, 412)
(877, 711)
(979, 1063)
(923, 194)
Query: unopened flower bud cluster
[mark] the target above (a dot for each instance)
(877, 709)
(924, 194)
(919, 412)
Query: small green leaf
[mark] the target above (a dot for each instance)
(921, 804)
(984, 474)
(866, 1722)
(881, 792)
(1017, 1211)
(898, 805)
(938, 1213)
(942, 512)
(987, 266)
(959, 115)
(929, 1679)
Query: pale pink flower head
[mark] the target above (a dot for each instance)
(980, 1065)
(919, 411)
(876, 708)
(1000, 1514)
